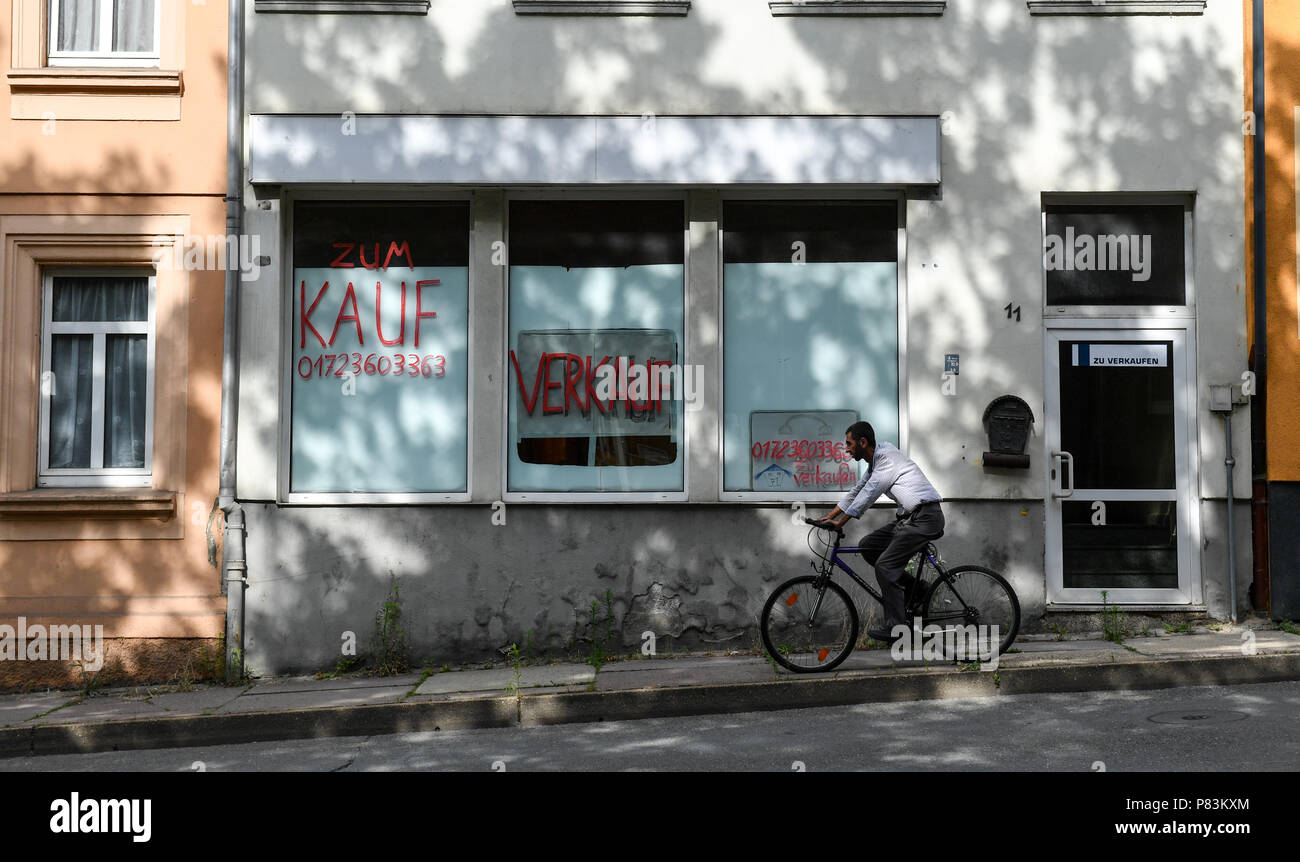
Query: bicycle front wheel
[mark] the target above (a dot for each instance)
(975, 596)
(806, 629)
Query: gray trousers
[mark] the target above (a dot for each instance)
(889, 548)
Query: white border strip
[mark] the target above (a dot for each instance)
(572, 150)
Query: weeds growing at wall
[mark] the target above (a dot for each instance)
(391, 651)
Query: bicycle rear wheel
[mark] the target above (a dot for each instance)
(974, 596)
(806, 629)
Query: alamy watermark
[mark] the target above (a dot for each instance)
(1084, 252)
(946, 643)
(202, 252)
(53, 643)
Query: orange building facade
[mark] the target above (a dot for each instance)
(112, 247)
(1277, 456)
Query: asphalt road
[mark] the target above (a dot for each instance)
(1243, 727)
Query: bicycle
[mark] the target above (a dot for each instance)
(809, 624)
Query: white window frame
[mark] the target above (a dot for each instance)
(589, 194)
(105, 56)
(96, 475)
(812, 196)
(1187, 200)
(363, 195)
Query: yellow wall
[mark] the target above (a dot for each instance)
(1282, 95)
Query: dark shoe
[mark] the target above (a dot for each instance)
(882, 635)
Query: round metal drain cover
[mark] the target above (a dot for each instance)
(1197, 716)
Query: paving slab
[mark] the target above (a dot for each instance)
(448, 697)
(659, 663)
(198, 702)
(1102, 655)
(313, 699)
(666, 673)
(307, 683)
(1216, 644)
(101, 709)
(1081, 646)
(498, 678)
(15, 709)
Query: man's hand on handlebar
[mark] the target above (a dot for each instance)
(825, 524)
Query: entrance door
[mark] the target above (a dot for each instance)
(1120, 517)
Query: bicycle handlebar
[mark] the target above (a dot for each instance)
(825, 526)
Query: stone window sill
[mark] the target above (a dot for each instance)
(74, 81)
(121, 503)
(345, 7)
(602, 7)
(1116, 7)
(887, 8)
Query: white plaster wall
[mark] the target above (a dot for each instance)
(1029, 105)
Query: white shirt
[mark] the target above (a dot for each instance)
(897, 477)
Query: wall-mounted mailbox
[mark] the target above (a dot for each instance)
(1007, 421)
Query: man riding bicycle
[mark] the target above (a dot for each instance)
(919, 518)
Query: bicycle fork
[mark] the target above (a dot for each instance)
(817, 605)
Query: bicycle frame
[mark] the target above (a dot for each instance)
(926, 553)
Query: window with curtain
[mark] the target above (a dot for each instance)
(97, 348)
(102, 32)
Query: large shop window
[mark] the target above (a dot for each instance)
(597, 291)
(97, 369)
(380, 348)
(1131, 255)
(810, 340)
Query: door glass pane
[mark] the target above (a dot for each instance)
(1115, 255)
(78, 25)
(133, 25)
(124, 400)
(1117, 413)
(1112, 544)
(70, 400)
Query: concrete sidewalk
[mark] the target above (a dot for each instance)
(305, 707)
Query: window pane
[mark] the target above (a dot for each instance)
(1117, 413)
(1134, 546)
(810, 344)
(70, 400)
(380, 347)
(596, 319)
(1115, 255)
(100, 298)
(78, 25)
(133, 22)
(125, 391)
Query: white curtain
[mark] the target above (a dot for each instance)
(133, 25)
(78, 25)
(124, 400)
(70, 402)
(91, 300)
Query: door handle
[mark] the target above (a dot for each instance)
(1065, 491)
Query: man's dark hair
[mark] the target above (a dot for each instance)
(859, 430)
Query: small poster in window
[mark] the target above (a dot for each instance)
(800, 450)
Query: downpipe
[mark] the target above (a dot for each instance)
(1230, 462)
(1261, 586)
(234, 564)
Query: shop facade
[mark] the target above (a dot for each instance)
(584, 315)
